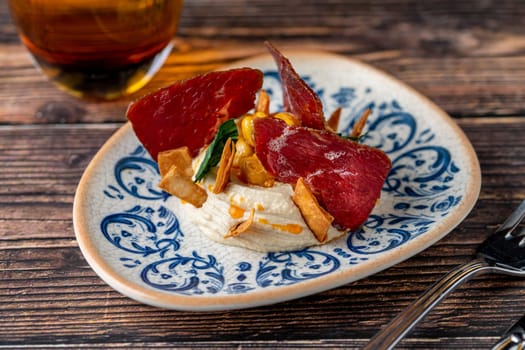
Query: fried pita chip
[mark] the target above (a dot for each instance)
(180, 157)
(263, 103)
(225, 165)
(177, 183)
(333, 121)
(360, 124)
(316, 217)
(242, 226)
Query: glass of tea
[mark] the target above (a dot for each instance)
(99, 49)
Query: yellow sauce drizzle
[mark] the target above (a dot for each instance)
(290, 228)
(260, 207)
(235, 211)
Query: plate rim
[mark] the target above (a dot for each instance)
(269, 296)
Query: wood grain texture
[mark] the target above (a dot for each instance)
(50, 295)
(467, 56)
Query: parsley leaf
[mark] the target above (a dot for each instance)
(213, 153)
(358, 139)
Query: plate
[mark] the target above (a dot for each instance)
(136, 239)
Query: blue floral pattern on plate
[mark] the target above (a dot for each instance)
(142, 230)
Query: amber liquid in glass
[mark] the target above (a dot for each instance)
(97, 48)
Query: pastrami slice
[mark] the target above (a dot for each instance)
(188, 113)
(346, 177)
(298, 98)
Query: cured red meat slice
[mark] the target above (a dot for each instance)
(298, 98)
(188, 113)
(346, 177)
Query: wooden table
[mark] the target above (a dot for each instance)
(468, 56)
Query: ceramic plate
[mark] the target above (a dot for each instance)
(134, 236)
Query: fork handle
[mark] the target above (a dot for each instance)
(389, 336)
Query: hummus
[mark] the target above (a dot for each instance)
(278, 224)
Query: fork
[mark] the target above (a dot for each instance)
(514, 337)
(502, 252)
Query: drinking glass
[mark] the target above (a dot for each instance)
(100, 49)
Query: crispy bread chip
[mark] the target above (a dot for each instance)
(180, 157)
(263, 103)
(225, 165)
(333, 121)
(317, 218)
(360, 124)
(177, 183)
(242, 226)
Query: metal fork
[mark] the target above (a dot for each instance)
(514, 337)
(502, 252)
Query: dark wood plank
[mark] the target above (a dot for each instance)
(464, 87)
(444, 27)
(49, 295)
(467, 56)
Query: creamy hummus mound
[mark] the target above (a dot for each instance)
(277, 226)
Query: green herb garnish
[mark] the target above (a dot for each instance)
(213, 153)
(358, 139)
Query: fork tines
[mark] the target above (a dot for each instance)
(508, 227)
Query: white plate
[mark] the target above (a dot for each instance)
(133, 236)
